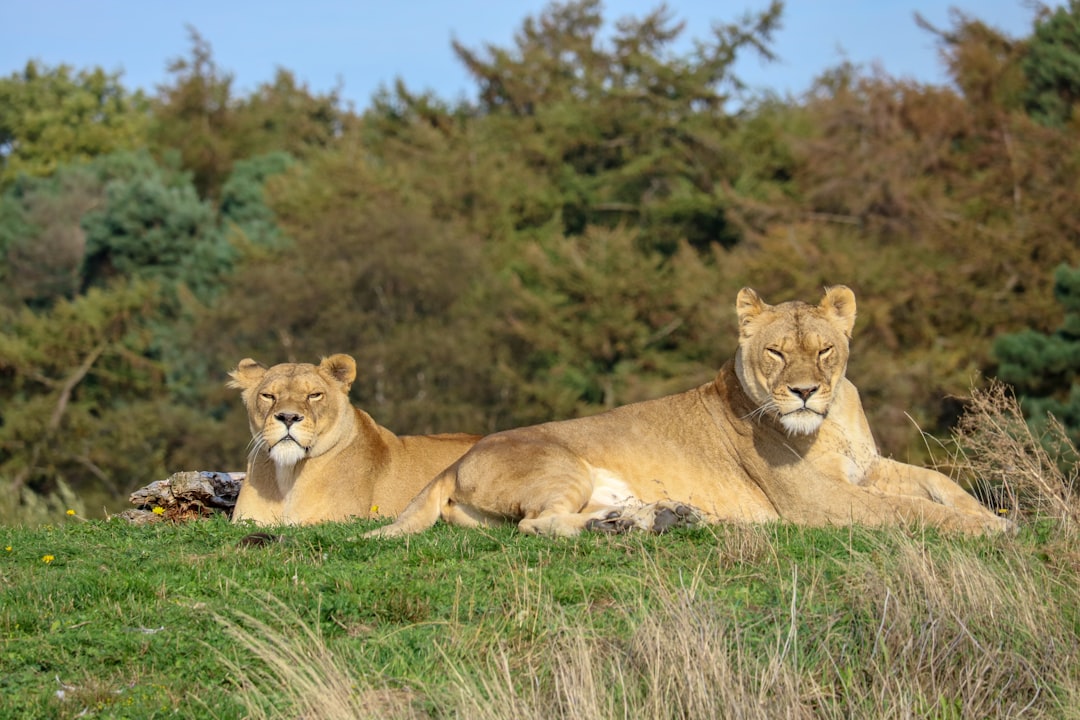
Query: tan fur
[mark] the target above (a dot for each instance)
(780, 433)
(315, 457)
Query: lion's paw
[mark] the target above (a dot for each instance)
(674, 515)
(613, 523)
(659, 518)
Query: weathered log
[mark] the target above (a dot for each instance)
(185, 496)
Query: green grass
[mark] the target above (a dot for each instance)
(181, 621)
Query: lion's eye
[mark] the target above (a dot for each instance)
(315, 396)
(267, 397)
(775, 354)
(825, 352)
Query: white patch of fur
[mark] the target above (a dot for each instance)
(802, 422)
(610, 490)
(286, 478)
(853, 471)
(286, 453)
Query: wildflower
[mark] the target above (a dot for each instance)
(7, 548)
(158, 510)
(1003, 511)
(374, 509)
(47, 559)
(70, 512)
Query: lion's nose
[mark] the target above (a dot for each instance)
(803, 391)
(288, 419)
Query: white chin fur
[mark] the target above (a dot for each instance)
(801, 423)
(287, 453)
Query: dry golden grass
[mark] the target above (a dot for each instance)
(903, 627)
(292, 659)
(1005, 460)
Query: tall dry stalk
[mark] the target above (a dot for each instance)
(1009, 464)
(285, 669)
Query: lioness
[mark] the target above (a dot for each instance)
(779, 433)
(315, 457)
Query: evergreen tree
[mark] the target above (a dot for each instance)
(1045, 368)
(243, 200)
(153, 225)
(1052, 66)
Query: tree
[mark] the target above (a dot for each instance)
(52, 116)
(1045, 367)
(152, 225)
(66, 375)
(198, 118)
(590, 322)
(626, 132)
(1052, 66)
(42, 242)
(243, 200)
(88, 221)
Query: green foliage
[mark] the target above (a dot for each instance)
(107, 619)
(1052, 66)
(1045, 368)
(197, 118)
(50, 117)
(63, 374)
(92, 366)
(118, 214)
(42, 242)
(594, 323)
(243, 199)
(150, 228)
(626, 132)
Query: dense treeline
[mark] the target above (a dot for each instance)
(571, 241)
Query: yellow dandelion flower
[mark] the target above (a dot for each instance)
(1003, 511)
(7, 548)
(374, 509)
(70, 512)
(158, 510)
(47, 559)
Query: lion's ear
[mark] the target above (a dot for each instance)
(341, 367)
(747, 307)
(839, 306)
(247, 374)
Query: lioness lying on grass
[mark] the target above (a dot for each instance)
(779, 434)
(315, 457)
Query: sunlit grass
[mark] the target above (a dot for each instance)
(764, 621)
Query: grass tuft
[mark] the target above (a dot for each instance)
(1009, 464)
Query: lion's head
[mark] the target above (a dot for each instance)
(297, 410)
(792, 356)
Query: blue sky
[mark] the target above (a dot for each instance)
(362, 44)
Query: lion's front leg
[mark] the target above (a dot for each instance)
(897, 478)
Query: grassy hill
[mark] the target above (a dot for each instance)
(106, 619)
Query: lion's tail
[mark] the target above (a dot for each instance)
(424, 510)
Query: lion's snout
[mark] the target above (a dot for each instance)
(288, 419)
(803, 392)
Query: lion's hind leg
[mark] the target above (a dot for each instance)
(560, 511)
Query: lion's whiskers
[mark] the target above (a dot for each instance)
(257, 443)
(769, 406)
